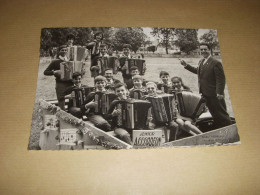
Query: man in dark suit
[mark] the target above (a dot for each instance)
(211, 79)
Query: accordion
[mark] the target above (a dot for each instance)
(140, 63)
(110, 62)
(79, 95)
(164, 88)
(137, 93)
(68, 68)
(134, 114)
(189, 104)
(76, 53)
(163, 107)
(104, 101)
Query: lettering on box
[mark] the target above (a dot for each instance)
(147, 138)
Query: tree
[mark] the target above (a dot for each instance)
(187, 39)
(164, 35)
(211, 39)
(133, 36)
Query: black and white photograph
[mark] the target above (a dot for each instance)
(131, 88)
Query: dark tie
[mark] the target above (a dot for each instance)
(202, 65)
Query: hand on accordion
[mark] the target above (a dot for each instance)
(92, 104)
(116, 112)
(57, 73)
(124, 67)
(68, 96)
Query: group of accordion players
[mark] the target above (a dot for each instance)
(122, 106)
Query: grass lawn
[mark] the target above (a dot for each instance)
(46, 84)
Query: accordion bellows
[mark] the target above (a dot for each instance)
(68, 68)
(104, 100)
(163, 107)
(76, 53)
(79, 95)
(140, 63)
(134, 114)
(110, 62)
(190, 105)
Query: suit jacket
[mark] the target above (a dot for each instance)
(211, 77)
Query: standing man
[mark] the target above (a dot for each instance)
(54, 70)
(211, 79)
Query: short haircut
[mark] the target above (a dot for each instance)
(103, 45)
(62, 47)
(117, 85)
(133, 68)
(151, 83)
(108, 69)
(76, 74)
(99, 78)
(164, 73)
(127, 46)
(98, 33)
(205, 44)
(137, 77)
(70, 36)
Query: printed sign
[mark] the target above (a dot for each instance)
(147, 138)
(68, 136)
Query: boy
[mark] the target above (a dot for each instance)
(133, 71)
(110, 80)
(164, 85)
(75, 109)
(70, 40)
(95, 68)
(138, 89)
(126, 54)
(90, 105)
(94, 46)
(172, 125)
(113, 113)
(54, 69)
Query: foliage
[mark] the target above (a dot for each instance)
(165, 35)
(210, 39)
(187, 39)
(53, 37)
(133, 36)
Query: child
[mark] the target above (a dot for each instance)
(70, 40)
(110, 80)
(126, 54)
(172, 125)
(178, 85)
(133, 71)
(164, 85)
(94, 47)
(95, 68)
(54, 69)
(75, 109)
(113, 113)
(138, 85)
(90, 105)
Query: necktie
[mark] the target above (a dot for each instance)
(202, 65)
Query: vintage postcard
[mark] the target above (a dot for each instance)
(130, 87)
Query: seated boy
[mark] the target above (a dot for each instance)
(165, 84)
(90, 105)
(138, 86)
(113, 113)
(110, 80)
(172, 125)
(75, 109)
